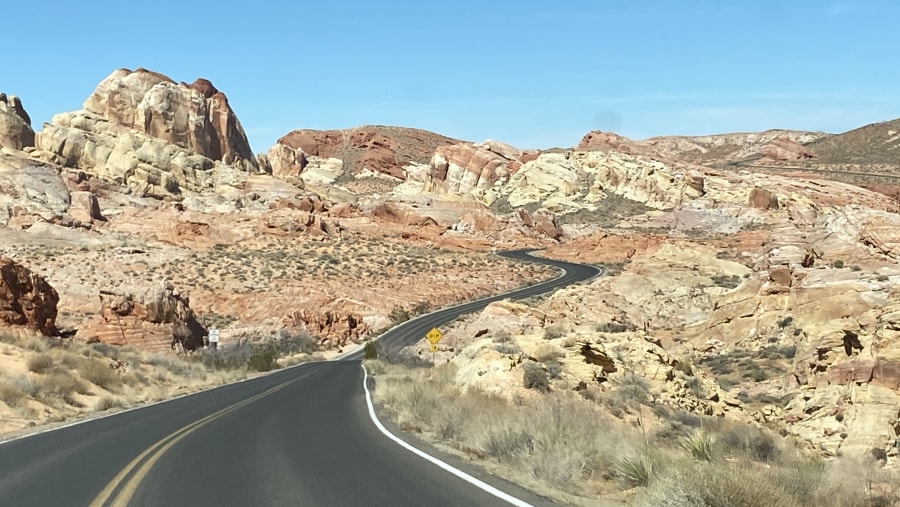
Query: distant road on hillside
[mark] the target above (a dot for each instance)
(299, 436)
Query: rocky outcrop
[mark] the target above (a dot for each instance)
(26, 299)
(142, 129)
(468, 167)
(15, 124)
(194, 116)
(30, 190)
(786, 149)
(378, 149)
(597, 140)
(333, 327)
(826, 290)
(566, 182)
(158, 318)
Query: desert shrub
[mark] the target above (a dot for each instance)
(508, 348)
(104, 350)
(554, 369)
(59, 385)
(501, 336)
(37, 344)
(855, 268)
(40, 363)
(12, 395)
(714, 485)
(535, 377)
(785, 322)
(548, 352)
(614, 327)
(399, 314)
(263, 359)
(107, 402)
(883, 278)
(750, 441)
(637, 470)
(421, 308)
(554, 331)
(729, 282)
(295, 343)
(837, 264)
(702, 446)
(100, 374)
(370, 350)
(684, 366)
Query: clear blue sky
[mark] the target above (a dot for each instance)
(534, 74)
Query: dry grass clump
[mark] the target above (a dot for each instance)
(561, 441)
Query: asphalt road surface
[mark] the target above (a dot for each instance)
(301, 436)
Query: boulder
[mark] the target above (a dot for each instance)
(85, 207)
(26, 299)
(15, 124)
(761, 198)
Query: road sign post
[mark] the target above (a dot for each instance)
(434, 336)
(214, 339)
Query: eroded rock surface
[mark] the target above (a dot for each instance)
(156, 317)
(26, 299)
(142, 129)
(15, 124)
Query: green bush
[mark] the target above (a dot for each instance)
(837, 264)
(399, 314)
(370, 350)
(264, 359)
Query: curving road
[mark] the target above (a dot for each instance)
(299, 436)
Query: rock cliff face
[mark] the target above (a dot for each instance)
(30, 190)
(474, 167)
(26, 299)
(142, 129)
(828, 290)
(15, 124)
(157, 318)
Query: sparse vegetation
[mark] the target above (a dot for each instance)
(574, 447)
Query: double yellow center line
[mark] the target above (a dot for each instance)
(120, 490)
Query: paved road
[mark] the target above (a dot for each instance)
(300, 436)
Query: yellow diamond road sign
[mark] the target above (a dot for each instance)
(434, 335)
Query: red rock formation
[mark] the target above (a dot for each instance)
(464, 167)
(786, 149)
(379, 148)
(155, 320)
(329, 325)
(26, 299)
(596, 139)
(196, 116)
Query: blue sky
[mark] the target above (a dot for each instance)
(534, 74)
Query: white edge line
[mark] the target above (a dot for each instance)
(444, 466)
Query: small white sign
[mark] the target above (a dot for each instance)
(213, 336)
